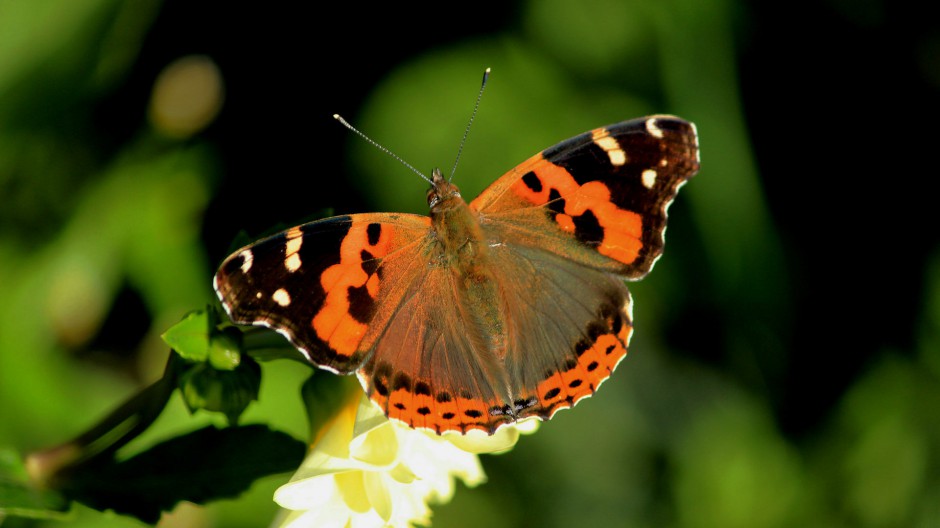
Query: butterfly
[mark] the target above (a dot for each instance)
(482, 314)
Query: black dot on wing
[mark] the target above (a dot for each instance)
(532, 181)
(380, 378)
(617, 324)
(401, 381)
(443, 397)
(361, 304)
(374, 231)
(448, 416)
(581, 347)
(552, 393)
(423, 411)
(422, 388)
(556, 203)
(596, 329)
(473, 413)
(587, 228)
(368, 262)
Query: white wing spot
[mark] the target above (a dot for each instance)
(610, 145)
(292, 263)
(258, 295)
(649, 178)
(247, 259)
(281, 297)
(295, 239)
(663, 162)
(653, 128)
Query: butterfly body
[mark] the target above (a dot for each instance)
(483, 314)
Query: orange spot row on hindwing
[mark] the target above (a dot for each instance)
(334, 323)
(622, 229)
(431, 412)
(594, 365)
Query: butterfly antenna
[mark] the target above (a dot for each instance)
(380, 147)
(466, 132)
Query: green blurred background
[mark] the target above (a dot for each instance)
(785, 366)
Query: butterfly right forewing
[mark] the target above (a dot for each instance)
(600, 198)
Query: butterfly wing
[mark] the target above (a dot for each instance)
(598, 199)
(568, 328)
(359, 293)
(321, 284)
(565, 228)
(429, 368)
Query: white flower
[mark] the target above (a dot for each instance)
(366, 471)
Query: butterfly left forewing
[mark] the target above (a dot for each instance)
(322, 284)
(600, 198)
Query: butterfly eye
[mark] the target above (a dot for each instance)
(433, 197)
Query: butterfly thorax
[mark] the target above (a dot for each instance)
(456, 227)
(462, 249)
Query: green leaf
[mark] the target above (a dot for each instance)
(19, 498)
(199, 467)
(225, 349)
(226, 391)
(190, 337)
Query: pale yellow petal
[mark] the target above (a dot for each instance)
(379, 495)
(353, 491)
(378, 447)
(306, 494)
(332, 514)
(402, 474)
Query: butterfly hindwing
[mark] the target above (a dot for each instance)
(428, 367)
(567, 332)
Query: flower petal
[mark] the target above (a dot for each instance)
(379, 495)
(352, 489)
(378, 447)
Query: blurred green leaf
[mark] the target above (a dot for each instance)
(55, 52)
(598, 38)
(881, 455)
(735, 470)
(19, 498)
(198, 467)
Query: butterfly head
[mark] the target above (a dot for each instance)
(442, 193)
